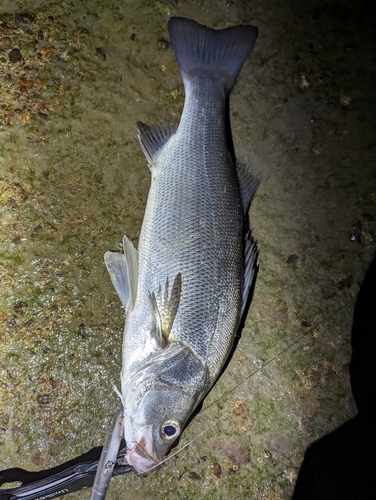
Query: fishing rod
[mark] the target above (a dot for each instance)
(94, 468)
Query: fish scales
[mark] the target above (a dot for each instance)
(193, 226)
(186, 287)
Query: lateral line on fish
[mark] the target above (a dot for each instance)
(270, 360)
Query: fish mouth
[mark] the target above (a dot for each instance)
(142, 457)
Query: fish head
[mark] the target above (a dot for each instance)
(157, 404)
(154, 424)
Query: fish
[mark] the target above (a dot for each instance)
(185, 288)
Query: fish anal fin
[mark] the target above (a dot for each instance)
(248, 184)
(250, 267)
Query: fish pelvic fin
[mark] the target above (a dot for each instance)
(156, 322)
(152, 140)
(200, 50)
(163, 309)
(123, 270)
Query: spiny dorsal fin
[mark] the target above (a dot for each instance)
(152, 140)
(248, 184)
(123, 270)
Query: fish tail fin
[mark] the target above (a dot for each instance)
(204, 51)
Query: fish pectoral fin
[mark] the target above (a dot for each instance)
(250, 267)
(123, 270)
(248, 184)
(152, 140)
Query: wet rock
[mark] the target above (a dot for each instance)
(101, 53)
(216, 470)
(345, 282)
(292, 259)
(232, 470)
(241, 411)
(37, 459)
(194, 476)
(15, 56)
(6, 43)
(59, 437)
(44, 399)
(346, 367)
(163, 44)
(279, 445)
(305, 323)
(355, 233)
(280, 314)
(236, 450)
(368, 217)
(53, 382)
(345, 101)
(12, 202)
(24, 18)
(20, 308)
(239, 453)
(12, 323)
(267, 454)
(82, 331)
(328, 289)
(35, 232)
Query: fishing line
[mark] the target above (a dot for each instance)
(270, 360)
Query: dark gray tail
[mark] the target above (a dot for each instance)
(203, 51)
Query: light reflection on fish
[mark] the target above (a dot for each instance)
(185, 289)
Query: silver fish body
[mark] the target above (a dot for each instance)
(185, 289)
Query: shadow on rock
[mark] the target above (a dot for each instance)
(342, 465)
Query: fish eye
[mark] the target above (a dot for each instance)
(170, 429)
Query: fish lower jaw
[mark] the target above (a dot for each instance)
(140, 459)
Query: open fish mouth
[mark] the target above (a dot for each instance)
(142, 456)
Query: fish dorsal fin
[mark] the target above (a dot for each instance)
(123, 270)
(248, 184)
(250, 267)
(152, 140)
